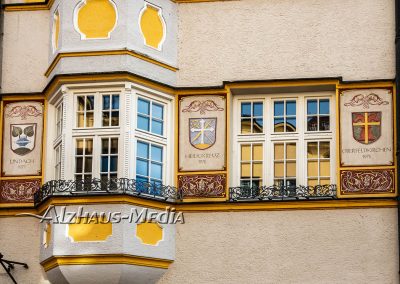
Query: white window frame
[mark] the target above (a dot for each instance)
(269, 137)
(58, 154)
(151, 100)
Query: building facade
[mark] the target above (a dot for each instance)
(260, 133)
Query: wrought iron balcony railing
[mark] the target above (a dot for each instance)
(109, 186)
(282, 192)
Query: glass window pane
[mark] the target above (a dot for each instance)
(78, 165)
(156, 153)
(245, 152)
(278, 152)
(324, 123)
(142, 167)
(279, 108)
(156, 171)
(246, 110)
(312, 107)
(79, 146)
(106, 102)
(114, 146)
(144, 106)
(89, 119)
(257, 152)
(113, 164)
(291, 182)
(290, 150)
(324, 168)
(88, 165)
(312, 182)
(106, 119)
(312, 150)
(279, 125)
(258, 109)
(291, 107)
(104, 164)
(157, 127)
(81, 103)
(324, 181)
(257, 170)
(104, 146)
(246, 125)
(143, 123)
(324, 150)
(115, 101)
(89, 102)
(157, 111)
(324, 106)
(258, 125)
(291, 125)
(256, 183)
(80, 119)
(312, 123)
(278, 169)
(143, 150)
(312, 168)
(89, 147)
(291, 169)
(141, 183)
(115, 118)
(245, 170)
(245, 183)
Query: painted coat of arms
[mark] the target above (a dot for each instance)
(23, 138)
(202, 132)
(366, 126)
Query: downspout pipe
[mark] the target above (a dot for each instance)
(397, 45)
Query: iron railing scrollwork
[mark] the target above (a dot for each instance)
(282, 192)
(107, 186)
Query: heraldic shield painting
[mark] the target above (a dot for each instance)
(366, 126)
(23, 138)
(202, 132)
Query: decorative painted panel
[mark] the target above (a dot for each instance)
(18, 190)
(194, 186)
(152, 26)
(366, 127)
(202, 133)
(22, 138)
(367, 181)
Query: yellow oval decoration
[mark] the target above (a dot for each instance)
(152, 26)
(91, 229)
(149, 233)
(56, 29)
(96, 18)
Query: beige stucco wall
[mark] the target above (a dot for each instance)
(25, 51)
(20, 241)
(324, 246)
(283, 39)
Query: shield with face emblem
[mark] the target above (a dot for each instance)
(202, 132)
(366, 126)
(23, 138)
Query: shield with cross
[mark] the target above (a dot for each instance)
(366, 126)
(202, 132)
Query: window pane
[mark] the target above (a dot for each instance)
(89, 147)
(291, 169)
(245, 170)
(80, 119)
(312, 107)
(312, 182)
(278, 108)
(115, 101)
(256, 183)
(258, 125)
(324, 168)
(104, 146)
(324, 106)
(246, 125)
(89, 102)
(114, 164)
(246, 110)
(278, 169)
(115, 118)
(157, 111)
(258, 109)
(156, 171)
(312, 150)
(81, 103)
(79, 146)
(257, 170)
(143, 123)
(157, 127)
(143, 150)
(106, 102)
(324, 150)
(142, 167)
(291, 107)
(89, 119)
(290, 124)
(257, 153)
(104, 164)
(114, 145)
(88, 165)
(79, 165)
(278, 152)
(291, 150)
(323, 123)
(312, 123)
(106, 119)
(144, 106)
(279, 125)
(324, 181)
(312, 168)
(156, 153)
(245, 183)
(245, 152)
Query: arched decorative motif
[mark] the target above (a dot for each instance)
(55, 32)
(152, 26)
(95, 19)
